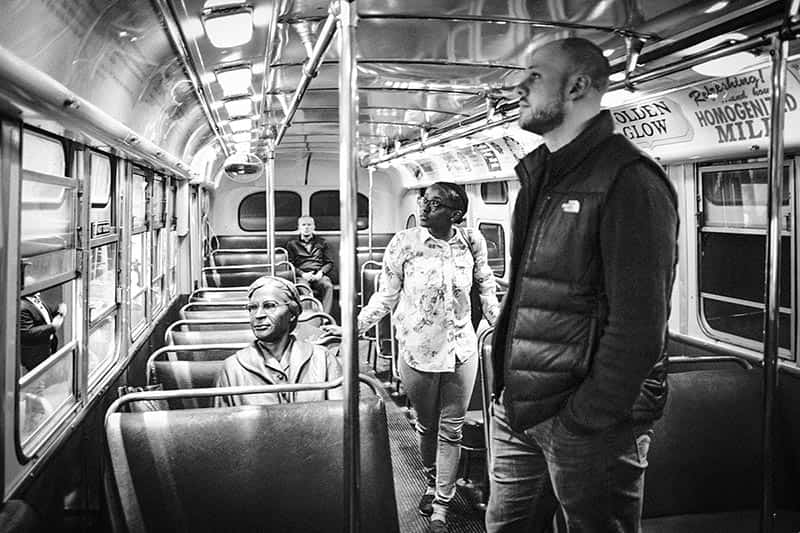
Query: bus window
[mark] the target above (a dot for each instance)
(47, 354)
(324, 208)
(411, 221)
(47, 309)
(288, 208)
(140, 261)
(102, 280)
(102, 346)
(138, 201)
(159, 239)
(496, 246)
(495, 192)
(732, 244)
(100, 194)
(172, 253)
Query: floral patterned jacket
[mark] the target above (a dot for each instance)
(426, 282)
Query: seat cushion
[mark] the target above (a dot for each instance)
(731, 522)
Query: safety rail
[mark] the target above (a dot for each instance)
(485, 370)
(373, 383)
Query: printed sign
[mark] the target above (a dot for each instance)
(716, 118)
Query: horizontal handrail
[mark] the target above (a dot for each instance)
(747, 365)
(715, 347)
(210, 392)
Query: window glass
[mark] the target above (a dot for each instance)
(411, 221)
(732, 244)
(288, 208)
(41, 394)
(43, 154)
(139, 280)
(102, 280)
(157, 202)
(159, 266)
(737, 198)
(101, 179)
(103, 343)
(496, 247)
(46, 326)
(173, 262)
(138, 200)
(495, 192)
(324, 207)
(47, 229)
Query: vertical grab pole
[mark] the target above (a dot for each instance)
(269, 196)
(348, 185)
(371, 211)
(778, 53)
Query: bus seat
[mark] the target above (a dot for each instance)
(705, 458)
(210, 294)
(208, 332)
(251, 468)
(17, 516)
(173, 375)
(309, 323)
(309, 303)
(211, 311)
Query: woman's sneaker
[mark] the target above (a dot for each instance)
(437, 526)
(426, 504)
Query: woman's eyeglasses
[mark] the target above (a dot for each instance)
(434, 203)
(269, 306)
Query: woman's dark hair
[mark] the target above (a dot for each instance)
(456, 196)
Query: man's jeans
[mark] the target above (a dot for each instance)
(441, 400)
(597, 480)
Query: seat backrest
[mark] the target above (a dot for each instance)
(173, 375)
(706, 455)
(309, 303)
(211, 311)
(219, 296)
(235, 257)
(308, 325)
(205, 332)
(251, 468)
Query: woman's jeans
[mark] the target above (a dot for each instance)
(441, 400)
(597, 480)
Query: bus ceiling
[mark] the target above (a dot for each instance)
(163, 79)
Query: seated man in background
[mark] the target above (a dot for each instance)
(38, 324)
(309, 255)
(276, 356)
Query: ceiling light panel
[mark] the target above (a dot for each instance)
(240, 107)
(235, 81)
(227, 28)
(241, 124)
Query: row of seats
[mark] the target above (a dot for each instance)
(212, 469)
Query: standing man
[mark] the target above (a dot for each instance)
(309, 255)
(38, 324)
(579, 347)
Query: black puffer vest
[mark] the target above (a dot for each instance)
(547, 332)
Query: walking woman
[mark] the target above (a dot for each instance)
(427, 275)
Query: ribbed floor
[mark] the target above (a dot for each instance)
(409, 481)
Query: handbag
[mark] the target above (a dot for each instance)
(475, 306)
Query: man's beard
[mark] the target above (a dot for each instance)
(544, 119)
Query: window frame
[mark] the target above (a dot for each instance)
(27, 449)
(504, 195)
(139, 329)
(289, 194)
(504, 243)
(333, 192)
(702, 228)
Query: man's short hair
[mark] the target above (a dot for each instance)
(587, 58)
(305, 217)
